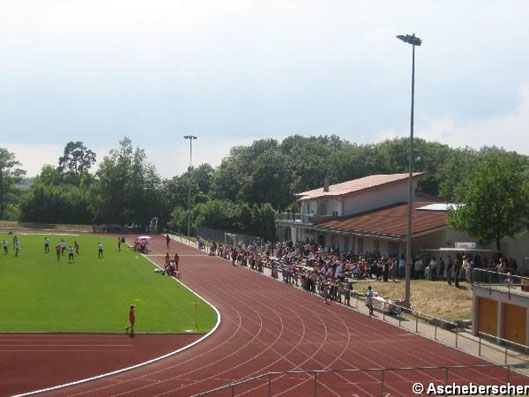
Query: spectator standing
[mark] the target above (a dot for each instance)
(449, 270)
(402, 266)
(441, 268)
(418, 268)
(369, 300)
(457, 270)
(433, 269)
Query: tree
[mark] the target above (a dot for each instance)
(495, 200)
(77, 159)
(127, 189)
(218, 214)
(10, 175)
(63, 203)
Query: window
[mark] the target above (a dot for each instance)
(322, 208)
(335, 213)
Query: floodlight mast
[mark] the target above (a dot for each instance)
(414, 41)
(191, 138)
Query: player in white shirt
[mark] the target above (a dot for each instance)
(99, 250)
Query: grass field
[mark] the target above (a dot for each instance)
(435, 298)
(40, 294)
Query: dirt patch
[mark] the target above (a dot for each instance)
(435, 298)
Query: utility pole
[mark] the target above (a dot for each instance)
(191, 138)
(414, 41)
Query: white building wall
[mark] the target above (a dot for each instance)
(334, 206)
(376, 198)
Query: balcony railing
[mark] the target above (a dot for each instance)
(295, 217)
(305, 219)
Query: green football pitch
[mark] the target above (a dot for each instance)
(39, 293)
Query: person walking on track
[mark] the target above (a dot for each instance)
(132, 321)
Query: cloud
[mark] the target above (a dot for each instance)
(508, 130)
(171, 161)
(34, 156)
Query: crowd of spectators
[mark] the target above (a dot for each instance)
(330, 272)
(322, 270)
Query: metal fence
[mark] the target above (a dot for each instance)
(221, 236)
(192, 242)
(374, 380)
(505, 281)
(454, 334)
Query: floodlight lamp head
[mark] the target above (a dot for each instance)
(190, 137)
(413, 40)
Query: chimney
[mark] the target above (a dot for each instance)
(325, 184)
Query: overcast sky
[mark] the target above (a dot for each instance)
(233, 71)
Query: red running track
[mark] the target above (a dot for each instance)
(267, 326)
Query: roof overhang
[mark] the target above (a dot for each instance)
(305, 196)
(374, 234)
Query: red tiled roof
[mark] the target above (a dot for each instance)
(355, 185)
(391, 221)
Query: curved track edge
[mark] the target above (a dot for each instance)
(142, 364)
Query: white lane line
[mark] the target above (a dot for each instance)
(119, 371)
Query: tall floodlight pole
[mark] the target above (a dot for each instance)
(414, 41)
(191, 138)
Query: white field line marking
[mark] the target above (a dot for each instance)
(119, 371)
(50, 234)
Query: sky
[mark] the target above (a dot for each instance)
(231, 71)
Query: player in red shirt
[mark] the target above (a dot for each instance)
(176, 260)
(132, 320)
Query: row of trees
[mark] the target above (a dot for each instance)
(242, 193)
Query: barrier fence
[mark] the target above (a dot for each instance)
(504, 281)
(487, 346)
(375, 381)
(182, 239)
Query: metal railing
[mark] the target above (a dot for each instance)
(298, 218)
(312, 381)
(504, 281)
(288, 216)
(182, 239)
(452, 333)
